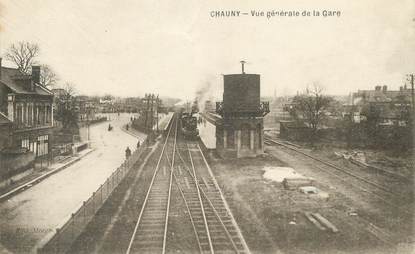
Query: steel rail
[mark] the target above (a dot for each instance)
(201, 203)
(169, 195)
(213, 208)
(148, 192)
(224, 201)
(188, 211)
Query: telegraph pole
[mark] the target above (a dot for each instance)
(157, 112)
(152, 113)
(411, 80)
(146, 99)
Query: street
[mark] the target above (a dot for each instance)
(30, 215)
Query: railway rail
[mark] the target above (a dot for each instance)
(385, 191)
(214, 227)
(150, 231)
(219, 232)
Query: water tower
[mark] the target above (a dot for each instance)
(241, 131)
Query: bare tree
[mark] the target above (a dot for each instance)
(48, 77)
(66, 102)
(310, 108)
(23, 54)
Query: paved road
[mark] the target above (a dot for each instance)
(27, 217)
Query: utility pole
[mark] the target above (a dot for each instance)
(157, 112)
(146, 99)
(87, 122)
(152, 112)
(411, 80)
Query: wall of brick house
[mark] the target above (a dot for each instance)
(32, 135)
(5, 136)
(3, 98)
(13, 164)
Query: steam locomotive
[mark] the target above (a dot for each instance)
(189, 123)
(189, 126)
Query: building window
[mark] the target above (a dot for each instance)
(25, 143)
(37, 115)
(30, 114)
(42, 145)
(47, 114)
(19, 115)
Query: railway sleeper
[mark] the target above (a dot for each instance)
(152, 227)
(150, 231)
(153, 215)
(216, 231)
(222, 238)
(156, 204)
(220, 212)
(152, 234)
(145, 222)
(151, 244)
(155, 211)
(150, 238)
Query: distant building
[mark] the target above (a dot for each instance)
(382, 94)
(86, 109)
(106, 106)
(28, 106)
(391, 107)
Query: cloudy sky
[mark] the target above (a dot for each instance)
(175, 47)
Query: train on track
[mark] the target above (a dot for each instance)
(189, 125)
(188, 122)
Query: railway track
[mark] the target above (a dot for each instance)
(149, 235)
(385, 191)
(214, 227)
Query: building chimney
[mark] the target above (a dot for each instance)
(385, 88)
(378, 88)
(36, 74)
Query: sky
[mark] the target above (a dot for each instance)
(175, 48)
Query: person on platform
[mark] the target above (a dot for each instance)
(127, 153)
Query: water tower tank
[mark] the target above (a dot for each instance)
(241, 94)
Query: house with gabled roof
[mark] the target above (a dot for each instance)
(28, 107)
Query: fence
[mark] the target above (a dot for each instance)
(64, 237)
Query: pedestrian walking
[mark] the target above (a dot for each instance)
(127, 153)
(138, 144)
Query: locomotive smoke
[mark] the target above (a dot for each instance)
(203, 94)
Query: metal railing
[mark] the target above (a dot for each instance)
(62, 239)
(261, 110)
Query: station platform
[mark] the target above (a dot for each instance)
(207, 132)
